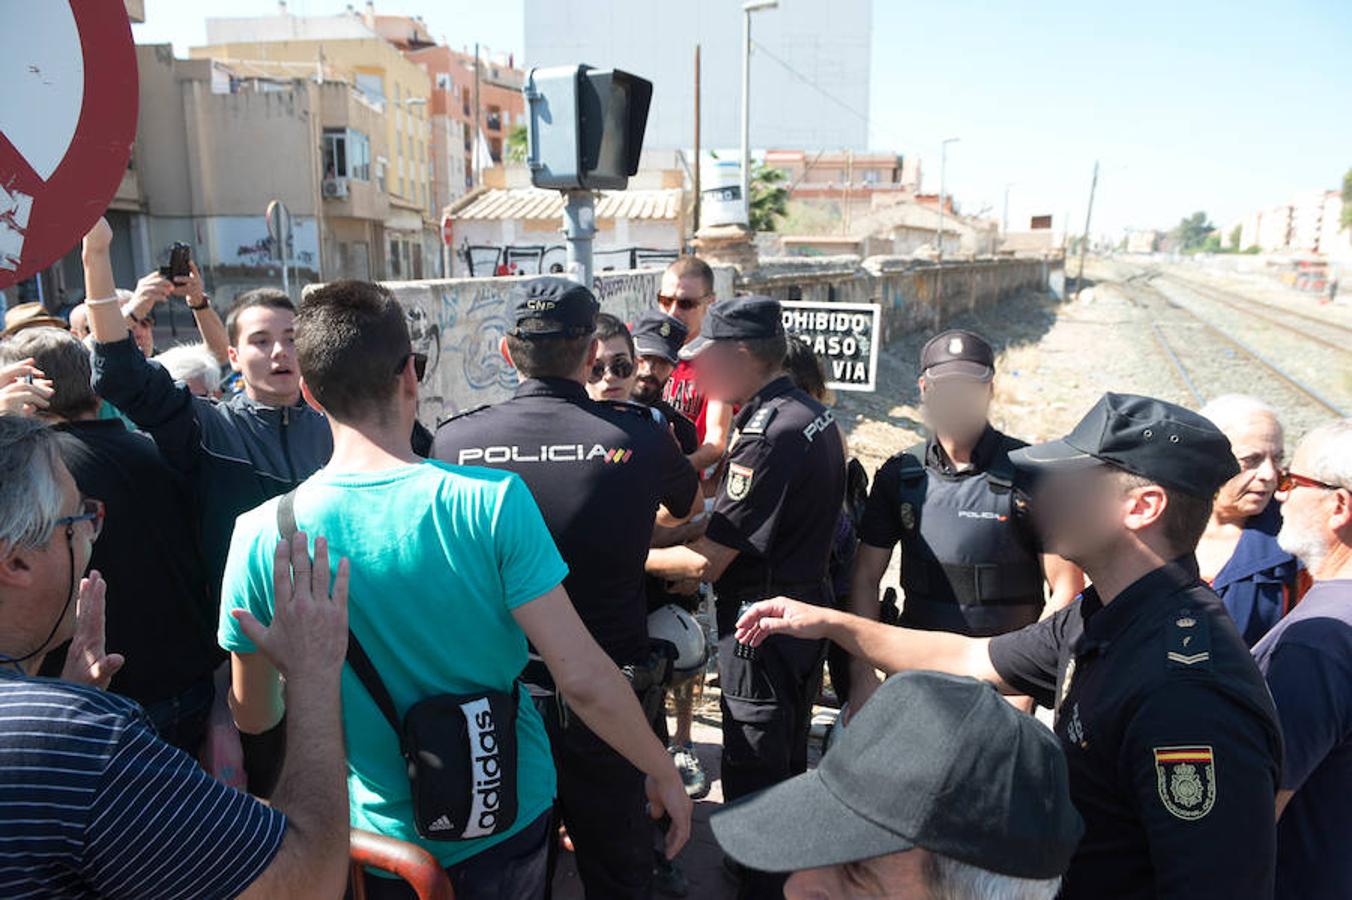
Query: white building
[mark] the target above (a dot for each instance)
(804, 44)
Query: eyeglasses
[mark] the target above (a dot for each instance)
(686, 303)
(419, 365)
(620, 366)
(91, 511)
(1290, 480)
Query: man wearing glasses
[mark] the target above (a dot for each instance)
(1307, 660)
(971, 561)
(1169, 732)
(686, 294)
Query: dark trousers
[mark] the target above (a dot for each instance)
(511, 870)
(767, 714)
(603, 804)
(182, 720)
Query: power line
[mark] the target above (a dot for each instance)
(812, 84)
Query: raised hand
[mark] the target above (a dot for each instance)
(86, 660)
(20, 396)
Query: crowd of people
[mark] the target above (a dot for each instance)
(290, 590)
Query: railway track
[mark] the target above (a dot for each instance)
(1155, 302)
(1335, 337)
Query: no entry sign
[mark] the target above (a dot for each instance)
(67, 123)
(844, 337)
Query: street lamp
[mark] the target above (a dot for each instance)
(943, 162)
(1005, 221)
(748, 8)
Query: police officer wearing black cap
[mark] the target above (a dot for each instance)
(599, 472)
(658, 339)
(770, 532)
(971, 560)
(1170, 734)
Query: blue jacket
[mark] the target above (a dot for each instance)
(236, 453)
(1259, 580)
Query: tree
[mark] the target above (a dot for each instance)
(1236, 234)
(517, 141)
(1191, 233)
(769, 197)
(1347, 200)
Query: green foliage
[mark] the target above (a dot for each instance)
(1347, 200)
(1252, 250)
(1235, 234)
(517, 143)
(769, 197)
(1192, 232)
(1212, 244)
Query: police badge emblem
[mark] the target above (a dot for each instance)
(908, 517)
(739, 481)
(1186, 778)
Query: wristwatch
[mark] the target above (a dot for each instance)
(206, 302)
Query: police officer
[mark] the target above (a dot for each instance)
(658, 339)
(971, 561)
(770, 532)
(1169, 732)
(599, 472)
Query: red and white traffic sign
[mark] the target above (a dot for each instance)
(446, 230)
(67, 123)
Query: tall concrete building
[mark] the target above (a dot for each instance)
(809, 73)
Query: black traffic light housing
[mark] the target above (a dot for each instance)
(586, 126)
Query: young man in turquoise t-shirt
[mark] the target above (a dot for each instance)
(453, 570)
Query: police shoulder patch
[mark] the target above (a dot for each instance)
(760, 420)
(739, 481)
(464, 412)
(1186, 780)
(1188, 640)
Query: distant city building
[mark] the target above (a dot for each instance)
(798, 45)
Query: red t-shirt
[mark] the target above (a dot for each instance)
(684, 394)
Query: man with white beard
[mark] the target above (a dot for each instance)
(1307, 661)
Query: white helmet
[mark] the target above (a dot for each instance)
(671, 623)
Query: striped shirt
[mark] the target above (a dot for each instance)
(93, 804)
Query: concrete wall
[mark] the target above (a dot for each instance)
(459, 324)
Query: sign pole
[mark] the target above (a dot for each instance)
(579, 227)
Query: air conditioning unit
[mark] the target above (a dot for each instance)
(335, 188)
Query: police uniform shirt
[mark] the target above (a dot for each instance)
(971, 559)
(1170, 735)
(781, 496)
(598, 472)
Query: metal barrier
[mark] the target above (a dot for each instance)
(410, 862)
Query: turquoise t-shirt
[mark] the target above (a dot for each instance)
(440, 555)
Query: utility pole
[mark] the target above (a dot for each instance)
(849, 176)
(943, 165)
(478, 163)
(1084, 241)
(698, 195)
(748, 8)
(1004, 228)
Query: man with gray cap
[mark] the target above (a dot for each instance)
(971, 560)
(936, 787)
(599, 472)
(1169, 732)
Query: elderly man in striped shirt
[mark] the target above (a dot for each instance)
(92, 803)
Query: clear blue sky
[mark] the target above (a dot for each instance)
(1219, 105)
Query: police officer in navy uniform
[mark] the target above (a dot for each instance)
(658, 339)
(770, 533)
(971, 560)
(1170, 735)
(599, 472)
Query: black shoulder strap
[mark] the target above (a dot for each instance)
(912, 479)
(356, 655)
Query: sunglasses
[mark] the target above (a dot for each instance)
(90, 511)
(621, 367)
(1289, 480)
(686, 303)
(419, 365)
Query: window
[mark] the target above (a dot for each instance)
(347, 154)
(495, 149)
(444, 82)
(494, 118)
(372, 86)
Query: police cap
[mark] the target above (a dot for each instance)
(957, 354)
(738, 319)
(1172, 446)
(555, 307)
(658, 334)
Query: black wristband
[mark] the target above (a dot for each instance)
(206, 304)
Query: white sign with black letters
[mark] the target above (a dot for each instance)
(844, 337)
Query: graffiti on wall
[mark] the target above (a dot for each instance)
(483, 260)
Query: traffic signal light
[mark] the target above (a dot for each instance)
(586, 126)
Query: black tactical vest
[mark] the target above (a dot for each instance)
(969, 561)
